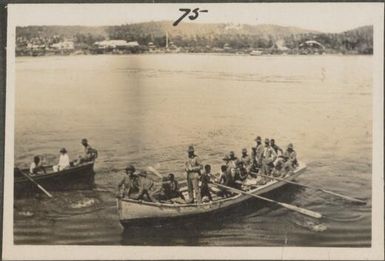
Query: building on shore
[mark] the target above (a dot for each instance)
(116, 46)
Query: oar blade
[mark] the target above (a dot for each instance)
(45, 191)
(302, 210)
(344, 196)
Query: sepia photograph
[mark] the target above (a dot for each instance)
(148, 127)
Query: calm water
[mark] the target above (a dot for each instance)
(147, 109)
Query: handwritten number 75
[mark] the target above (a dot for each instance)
(186, 11)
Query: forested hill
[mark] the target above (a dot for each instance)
(197, 35)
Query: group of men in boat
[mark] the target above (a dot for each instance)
(266, 159)
(90, 154)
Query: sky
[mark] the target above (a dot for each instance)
(324, 17)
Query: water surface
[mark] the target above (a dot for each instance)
(146, 110)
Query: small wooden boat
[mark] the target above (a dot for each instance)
(134, 211)
(75, 177)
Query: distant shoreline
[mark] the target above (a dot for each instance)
(196, 53)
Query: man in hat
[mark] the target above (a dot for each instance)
(129, 181)
(246, 160)
(64, 161)
(268, 158)
(145, 186)
(90, 154)
(258, 152)
(193, 168)
(290, 159)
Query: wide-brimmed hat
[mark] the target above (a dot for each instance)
(290, 146)
(63, 150)
(190, 148)
(258, 138)
(244, 150)
(226, 157)
(267, 140)
(130, 167)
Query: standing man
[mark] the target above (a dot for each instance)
(268, 158)
(246, 160)
(193, 168)
(90, 154)
(258, 152)
(275, 147)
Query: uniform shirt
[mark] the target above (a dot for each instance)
(269, 153)
(64, 161)
(193, 164)
(259, 152)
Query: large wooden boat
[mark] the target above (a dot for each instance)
(75, 177)
(134, 211)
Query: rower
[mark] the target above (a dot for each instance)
(225, 179)
(130, 183)
(205, 180)
(170, 189)
(145, 186)
(36, 166)
(289, 159)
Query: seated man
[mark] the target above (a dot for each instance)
(289, 159)
(64, 161)
(129, 183)
(225, 179)
(205, 180)
(170, 189)
(36, 166)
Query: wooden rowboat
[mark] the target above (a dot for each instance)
(134, 211)
(75, 177)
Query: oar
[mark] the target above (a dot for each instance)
(37, 184)
(285, 205)
(321, 189)
(153, 170)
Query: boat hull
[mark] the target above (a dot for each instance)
(132, 211)
(79, 177)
